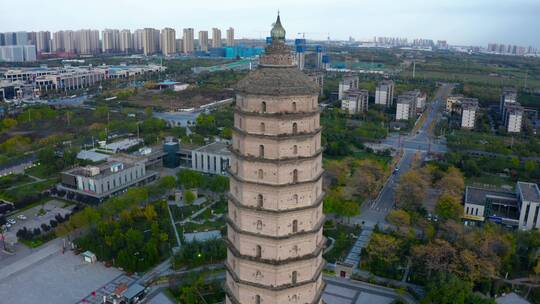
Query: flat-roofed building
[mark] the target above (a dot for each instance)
(452, 102)
(420, 99)
(529, 208)
(405, 107)
(97, 183)
(519, 209)
(509, 95)
(513, 117)
(469, 108)
(355, 101)
(348, 82)
(213, 158)
(384, 94)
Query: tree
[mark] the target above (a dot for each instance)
(367, 178)
(399, 218)
(218, 183)
(447, 289)
(449, 207)
(531, 165)
(402, 222)
(452, 182)
(189, 197)
(338, 170)
(101, 112)
(382, 253)
(150, 213)
(9, 123)
(167, 183)
(411, 190)
(437, 256)
(190, 179)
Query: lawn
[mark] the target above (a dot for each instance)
(344, 240)
(38, 171)
(205, 226)
(24, 191)
(14, 180)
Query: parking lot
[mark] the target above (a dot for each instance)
(34, 219)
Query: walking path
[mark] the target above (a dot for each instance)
(353, 258)
(174, 226)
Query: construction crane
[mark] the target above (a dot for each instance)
(314, 33)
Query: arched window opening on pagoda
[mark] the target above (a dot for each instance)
(260, 200)
(263, 107)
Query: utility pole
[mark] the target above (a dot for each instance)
(414, 69)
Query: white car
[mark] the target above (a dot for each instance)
(12, 221)
(8, 225)
(21, 217)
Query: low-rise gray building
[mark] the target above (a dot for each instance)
(519, 209)
(97, 183)
(213, 158)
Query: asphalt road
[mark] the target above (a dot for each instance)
(375, 212)
(422, 141)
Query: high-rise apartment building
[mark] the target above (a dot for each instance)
(110, 41)
(21, 38)
(405, 107)
(87, 42)
(230, 36)
(188, 40)
(508, 96)
(168, 41)
(150, 41)
(469, 108)
(138, 41)
(216, 38)
(203, 41)
(355, 101)
(349, 82)
(43, 41)
(126, 42)
(275, 216)
(18, 53)
(384, 94)
(513, 117)
(9, 38)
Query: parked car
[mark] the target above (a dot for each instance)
(12, 221)
(22, 217)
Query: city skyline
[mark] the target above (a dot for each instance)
(480, 23)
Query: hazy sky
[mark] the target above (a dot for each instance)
(458, 21)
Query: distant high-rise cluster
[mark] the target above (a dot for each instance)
(508, 49)
(28, 46)
(18, 46)
(404, 42)
(391, 41)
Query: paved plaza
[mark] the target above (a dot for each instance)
(48, 276)
(341, 291)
